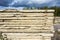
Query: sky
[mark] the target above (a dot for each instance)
(19, 4)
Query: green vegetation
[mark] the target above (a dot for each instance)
(29, 8)
(1, 37)
(57, 10)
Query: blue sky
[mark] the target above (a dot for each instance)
(19, 4)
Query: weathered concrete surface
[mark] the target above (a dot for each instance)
(28, 36)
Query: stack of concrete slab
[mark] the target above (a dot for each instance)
(57, 20)
(30, 24)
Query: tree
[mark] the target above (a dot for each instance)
(1, 37)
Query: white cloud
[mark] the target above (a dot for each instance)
(1, 7)
(20, 8)
(18, 3)
(40, 1)
(15, 1)
(30, 1)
